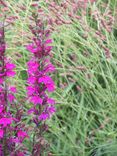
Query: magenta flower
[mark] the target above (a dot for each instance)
(45, 79)
(30, 90)
(49, 68)
(9, 69)
(1, 109)
(1, 80)
(36, 100)
(33, 65)
(32, 48)
(1, 133)
(48, 41)
(20, 154)
(11, 98)
(39, 81)
(43, 116)
(31, 80)
(51, 110)
(5, 121)
(22, 135)
(49, 83)
(13, 89)
(8, 116)
(10, 66)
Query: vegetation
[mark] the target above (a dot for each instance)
(85, 56)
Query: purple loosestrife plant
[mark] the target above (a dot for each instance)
(11, 129)
(40, 83)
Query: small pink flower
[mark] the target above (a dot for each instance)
(43, 116)
(32, 49)
(49, 68)
(10, 73)
(6, 121)
(48, 48)
(48, 41)
(30, 90)
(13, 89)
(10, 66)
(1, 80)
(31, 110)
(1, 109)
(14, 140)
(11, 98)
(31, 80)
(48, 82)
(33, 66)
(9, 69)
(36, 100)
(22, 134)
(1, 89)
(51, 110)
(1, 133)
(2, 74)
(21, 154)
(50, 87)
(45, 79)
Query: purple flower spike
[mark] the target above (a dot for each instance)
(39, 67)
(39, 81)
(10, 120)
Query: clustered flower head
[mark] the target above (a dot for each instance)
(39, 80)
(11, 129)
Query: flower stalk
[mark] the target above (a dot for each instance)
(11, 128)
(39, 83)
